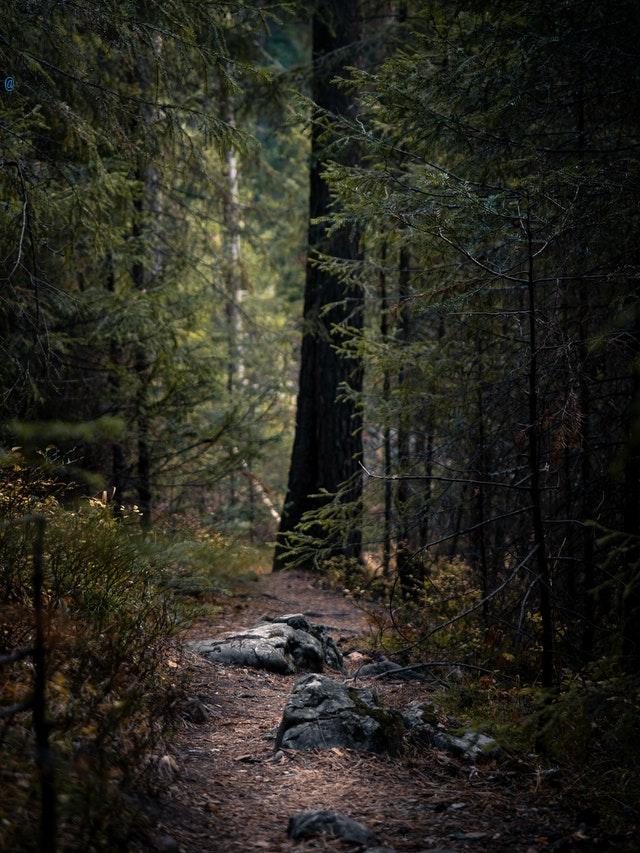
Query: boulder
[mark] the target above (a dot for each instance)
(323, 713)
(471, 745)
(284, 645)
(392, 671)
(332, 654)
(311, 823)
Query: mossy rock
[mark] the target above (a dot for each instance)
(323, 713)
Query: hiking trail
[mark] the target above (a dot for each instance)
(227, 791)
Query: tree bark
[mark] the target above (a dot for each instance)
(544, 577)
(386, 394)
(404, 561)
(328, 440)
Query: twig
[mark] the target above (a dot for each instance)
(438, 664)
(473, 527)
(442, 479)
(474, 607)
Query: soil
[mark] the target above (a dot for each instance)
(226, 791)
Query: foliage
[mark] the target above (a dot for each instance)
(112, 683)
(113, 228)
(497, 193)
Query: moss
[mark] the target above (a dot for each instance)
(391, 727)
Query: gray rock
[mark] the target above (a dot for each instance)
(470, 746)
(421, 719)
(309, 824)
(388, 666)
(167, 844)
(284, 645)
(332, 654)
(322, 713)
(379, 850)
(419, 714)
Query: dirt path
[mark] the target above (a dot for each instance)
(229, 795)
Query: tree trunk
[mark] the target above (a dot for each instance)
(232, 272)
(404, 560)
(386, 394)
(328, 440)
(631, 600)
(118, 459)
(544, 577)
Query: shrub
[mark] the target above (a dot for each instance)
(111, 678)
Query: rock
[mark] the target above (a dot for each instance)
(167, 844)
(455, 674)
(419, 714)
(284, 645)
(421, 718)
(379, 850)
(332, 654)
(470, 746)
(309, 824)
(323, 713)
(356, 658)
(385, 665)
(195, 711)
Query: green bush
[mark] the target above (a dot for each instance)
(111, 680)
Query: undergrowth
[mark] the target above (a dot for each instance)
(582, 736)
(113, 683)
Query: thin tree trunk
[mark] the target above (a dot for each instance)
(386, 395)
(480, 536)
(404, 561)
(232, 272)
(41, 726)
(118, 460)
(141, 366)
(544, 578)
(631, 600)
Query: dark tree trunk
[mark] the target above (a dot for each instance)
(386, 394)
(141, 366)
(118, 458)
(544, 576)
(480, 501)
(631, 600)
(404, 559)
(328, 440)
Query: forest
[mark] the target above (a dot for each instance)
(319, 425)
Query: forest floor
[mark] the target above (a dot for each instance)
(226, 792)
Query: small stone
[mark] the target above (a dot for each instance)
(167, 844)
(420, 713)
(471, 745)
(394, 670)
(195, 711)
(309, 824)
